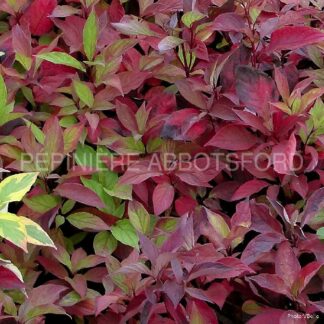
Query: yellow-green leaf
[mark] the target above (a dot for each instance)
(124, 232)
(218, 223)
(90, 35)
(34, 233)
(21, 230)
(3, 93)
(62, 58)
(42, 203)
(190, 17)
(13, 230)
(104, 244)
(84, 93)
(87, 222)
(139, 217)
(14, 187)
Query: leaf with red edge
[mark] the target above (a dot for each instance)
(233, 137)
(37, 16)
(294, 37)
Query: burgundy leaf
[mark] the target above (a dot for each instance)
(78, 192)
(254, 88)
(261, 244)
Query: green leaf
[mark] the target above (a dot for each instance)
(3, 93)
(42, 203)
(317, 113)
(218, 223)
(99, 190)
(104, 244)
(84, 93)
(139, 217)
(21, 230)
(124, 232)
(190, 17)
(62, 58)
(90, 35)
(70, 299)
(320, 233)
(35, 234)
(122, 191)
(39, 135)
(87, 222)
(67, 206)
(13, 230)
(15, 187)
(24, 60)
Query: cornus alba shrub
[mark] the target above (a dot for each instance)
(162, 161)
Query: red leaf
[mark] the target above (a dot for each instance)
(283, 156)
(21, 41)
(305, 275)
(294, 37)
(53, 267)
(9, 280)
(78, 192)
(163, 195)
(249, 188)
(259, 245)
(184, 205)
(199, 171)
(139, 172)
(254, 88)
(233, 137)
(273, 315)
(229, 21)
(103, 302)
(127, 117)
(313, 205)
(218, 292)
(36, 16)
(287, 264)
(271, 282)
(201, 313)
(228, 267)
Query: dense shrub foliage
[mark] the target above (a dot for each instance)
(162, 161)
